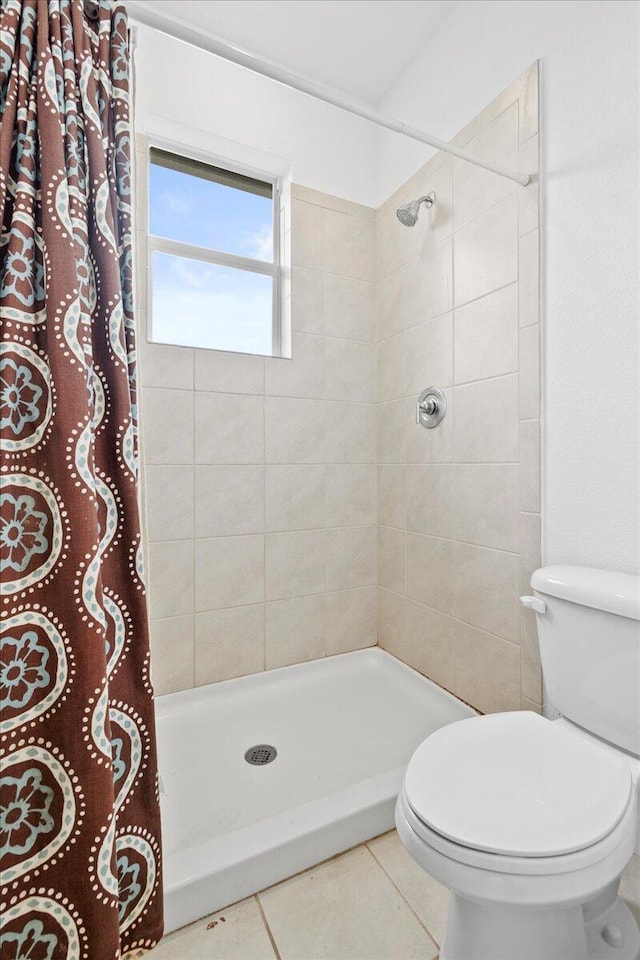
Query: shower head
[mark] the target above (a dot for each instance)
(407, 214)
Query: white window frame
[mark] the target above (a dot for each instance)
(181, 248)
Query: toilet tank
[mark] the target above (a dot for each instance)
(589, 636)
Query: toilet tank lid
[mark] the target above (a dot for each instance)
(617, 593)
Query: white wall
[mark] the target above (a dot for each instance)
(589, 124)
(327, 148)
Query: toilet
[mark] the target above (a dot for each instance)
(529, 821)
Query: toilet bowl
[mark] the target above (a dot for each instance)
(529, 821)
(529, 826)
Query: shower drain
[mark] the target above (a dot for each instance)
(261, 754)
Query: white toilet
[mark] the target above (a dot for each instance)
(529, 822)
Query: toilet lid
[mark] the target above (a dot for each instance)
(516, 784)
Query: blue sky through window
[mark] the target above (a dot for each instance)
(206, 305)
(194, 210)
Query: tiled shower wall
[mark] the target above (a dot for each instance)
(459, 524)
(260, 473)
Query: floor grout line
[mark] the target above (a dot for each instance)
(272, 939)
(395, 885)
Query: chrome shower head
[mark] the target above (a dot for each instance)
(407, 214)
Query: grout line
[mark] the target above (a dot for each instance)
(395, 885)
(451, 616)
(272, 939)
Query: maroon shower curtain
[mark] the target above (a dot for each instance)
(79, 816)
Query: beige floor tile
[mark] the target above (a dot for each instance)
(235, 933)
(426, 896)
(346, 909)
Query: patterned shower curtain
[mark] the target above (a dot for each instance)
(79, 817)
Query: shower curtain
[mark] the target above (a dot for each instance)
(79, 817)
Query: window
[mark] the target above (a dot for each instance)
(213, 249)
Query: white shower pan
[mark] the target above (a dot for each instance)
(344, 729)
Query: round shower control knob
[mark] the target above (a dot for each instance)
(431, 407)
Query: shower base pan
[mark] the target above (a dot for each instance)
(344, 729)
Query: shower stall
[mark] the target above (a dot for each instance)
(355, 524)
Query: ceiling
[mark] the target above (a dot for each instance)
(359, 47)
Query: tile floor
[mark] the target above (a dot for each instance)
(371, 903)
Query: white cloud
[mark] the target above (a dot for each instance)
(176, 203)
(259, 243)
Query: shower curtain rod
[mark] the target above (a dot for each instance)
(173, 27)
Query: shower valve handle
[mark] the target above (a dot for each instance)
(431, 407)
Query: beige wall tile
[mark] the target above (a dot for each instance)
(391, 621)
(350, 308)
(169, 502)
(391, 368)
(295, 564)
(393, 245)
(302, 375)
(530, 668)
(350, 246)
(362, 212)
(429, 644)
(229, 500)
(485, 252)
(171, 654)
(390, 305)
(392, 554)
(352, 620)
(486, 590)
(528, 197)
(428, 283)
(295, 630)
(429, 355)
(171, 579)
(431, 505)
(229, 429)
(300, 192)
(351, 370)
(294, 431)
(229, 643)
(486, 421)
(486, 336)
(488, 501)
(308, 300)
(221, 372)
(391, 431)
(163, 365)
(529, 110)
(429, 446)
(351, 432)
(529, 381)
(294, 497)
(529, 279)
(436, 222)
(477, 189)
(229, 572)
(351, 557)
(530, 559)
(487, 670)
(392, 503)
(308, 230)
(430, 575)
(167, 425)
(530, 466)
(351, 494)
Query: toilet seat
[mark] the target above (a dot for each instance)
(516, 785)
